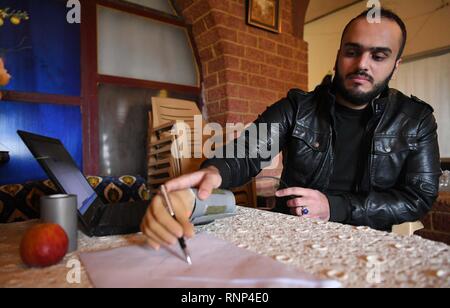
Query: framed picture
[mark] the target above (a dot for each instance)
(264, 14)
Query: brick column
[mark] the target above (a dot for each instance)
(245, 68)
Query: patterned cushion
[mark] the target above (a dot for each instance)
(122, 189)
(20, 202)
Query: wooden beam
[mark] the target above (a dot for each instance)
(41, 98)
(89, 76)
(154, 85)
(142, 11)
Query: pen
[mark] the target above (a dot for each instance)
(181, 240)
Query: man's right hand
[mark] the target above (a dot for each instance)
(159, 227)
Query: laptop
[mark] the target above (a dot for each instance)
(95, 217)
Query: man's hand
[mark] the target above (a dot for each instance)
(313, 200)
(162, 229)
(206, 180)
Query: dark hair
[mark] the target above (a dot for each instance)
(388, 14)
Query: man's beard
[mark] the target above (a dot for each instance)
(356, 97)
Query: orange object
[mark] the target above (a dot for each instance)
(44, 245)
(4, 76)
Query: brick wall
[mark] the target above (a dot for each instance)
(437, 222)
(245, 69)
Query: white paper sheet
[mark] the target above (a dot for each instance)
(216, 264)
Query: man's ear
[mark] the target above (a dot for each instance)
(337, 57)
(397, 65)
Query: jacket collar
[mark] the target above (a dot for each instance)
(317, 113)
(378, 105)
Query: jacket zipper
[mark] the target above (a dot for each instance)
(372, 150)
(322, 165)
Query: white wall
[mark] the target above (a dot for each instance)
(429, 79)
(428, 30)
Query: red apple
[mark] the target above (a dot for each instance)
(44, 245)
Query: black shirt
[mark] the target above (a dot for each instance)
(350, 155)
(348, 148)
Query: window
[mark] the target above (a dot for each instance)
(138, 57)
(43, 53)
(141, 48)
(160, 5)
(123, 126)
(44, 95)
(57, 121)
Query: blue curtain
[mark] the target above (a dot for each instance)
(56, 121)
(43, 53)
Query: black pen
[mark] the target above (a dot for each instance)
(181, 240)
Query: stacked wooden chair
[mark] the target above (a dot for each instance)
(167, 140)
(167, 154)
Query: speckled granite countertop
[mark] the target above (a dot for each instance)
(355, 256)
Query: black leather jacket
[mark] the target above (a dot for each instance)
(399, 181)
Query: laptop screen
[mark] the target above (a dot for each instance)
(60, 166)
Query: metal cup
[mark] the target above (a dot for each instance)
(62, 210)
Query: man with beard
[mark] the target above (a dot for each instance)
(355, 151)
